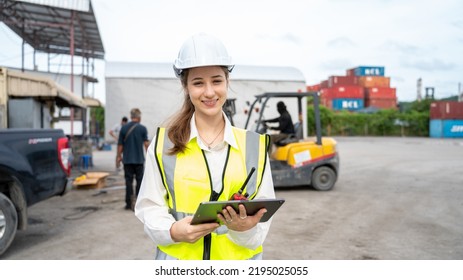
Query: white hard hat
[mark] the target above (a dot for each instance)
(202, 50)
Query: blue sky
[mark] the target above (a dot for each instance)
(412, 39)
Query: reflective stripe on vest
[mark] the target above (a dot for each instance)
(187, 179)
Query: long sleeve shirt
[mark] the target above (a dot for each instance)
(285, 123)
(151, 207)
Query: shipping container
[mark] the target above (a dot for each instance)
(446, 110)
(343, 92)
(350, 72)
(381, 103)
(326, 102)
(380, 93)
(324, 84)
(366, 71)
(435, 128)
(351, 104)
(342, 81)
(446, 128)
(374, 81)
(313, 88)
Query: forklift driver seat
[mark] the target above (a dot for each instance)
(292, 138)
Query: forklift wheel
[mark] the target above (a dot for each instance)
(323, 178)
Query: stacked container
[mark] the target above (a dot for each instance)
(341, 93)
(446, 119)
(343, 97)
(313, 88)
(380, 97)
(363, 86)
(366, 71)
(378, 92)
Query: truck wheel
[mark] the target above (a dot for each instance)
(323, 178)
(8, 222)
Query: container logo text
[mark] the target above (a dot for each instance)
(457, 128)
(349, 104)
(372, 71)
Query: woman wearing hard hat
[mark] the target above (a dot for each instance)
(200, 157)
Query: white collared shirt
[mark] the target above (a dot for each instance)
(151, 207)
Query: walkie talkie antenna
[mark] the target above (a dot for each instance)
(247, 179)
(239, 195)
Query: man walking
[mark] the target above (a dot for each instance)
(131, 147)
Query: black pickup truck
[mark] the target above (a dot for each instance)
(34, 166)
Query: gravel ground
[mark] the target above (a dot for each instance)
(395, 199)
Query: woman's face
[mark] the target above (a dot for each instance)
(207, 87)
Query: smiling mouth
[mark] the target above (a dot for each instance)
(210, 102)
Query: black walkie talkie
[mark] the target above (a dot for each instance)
(239, 195)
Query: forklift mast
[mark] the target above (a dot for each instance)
(299, 96)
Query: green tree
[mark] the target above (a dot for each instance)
(421, 106)
(97, 120)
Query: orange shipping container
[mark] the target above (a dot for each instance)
(380, 93)
(381, 103)
(374, 81)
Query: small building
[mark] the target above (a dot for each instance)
(154, 89)
(28, 100)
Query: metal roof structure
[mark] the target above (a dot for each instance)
(19, 84)
(62, 27)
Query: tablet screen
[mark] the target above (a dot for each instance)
(207, 211)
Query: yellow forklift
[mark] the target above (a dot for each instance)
(299, 161)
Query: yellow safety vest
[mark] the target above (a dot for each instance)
(186, 177)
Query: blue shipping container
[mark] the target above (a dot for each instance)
(452, 128)
(369, 71)
(435, 128)
(351, 104)
(446, 128)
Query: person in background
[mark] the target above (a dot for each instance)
(200, 157)
(285, 124)
(114, 132)
(131, 147)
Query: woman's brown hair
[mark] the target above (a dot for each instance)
(179, 127)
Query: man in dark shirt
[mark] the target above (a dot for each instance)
(285, 124)
(133, 137)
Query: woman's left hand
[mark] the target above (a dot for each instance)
(240, 221)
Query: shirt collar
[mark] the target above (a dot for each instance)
(228, 137)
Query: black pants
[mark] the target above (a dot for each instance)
(131, 171)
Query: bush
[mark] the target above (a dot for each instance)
(387, 122)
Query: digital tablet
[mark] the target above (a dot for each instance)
(207, 211)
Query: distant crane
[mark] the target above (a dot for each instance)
(429, 93)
